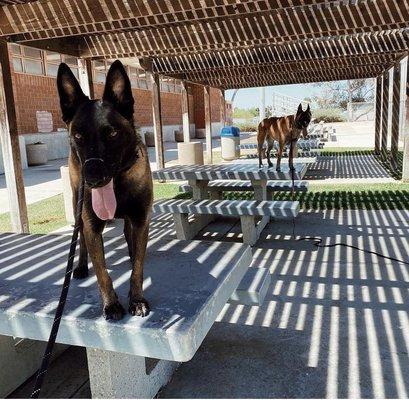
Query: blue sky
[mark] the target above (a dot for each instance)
(247, 98)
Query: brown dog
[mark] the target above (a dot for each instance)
(285, 130)
(113, 161)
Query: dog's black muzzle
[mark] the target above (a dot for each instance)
(96, 173)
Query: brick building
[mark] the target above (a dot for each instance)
(34, 82)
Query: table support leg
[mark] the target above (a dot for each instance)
(118, 375)
(260, 189)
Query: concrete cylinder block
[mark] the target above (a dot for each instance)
(149, 139)
(200, 133)
(37, 154)
(190, 153)
(178, 136)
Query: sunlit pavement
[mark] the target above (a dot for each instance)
(44, 181)
(333, 325)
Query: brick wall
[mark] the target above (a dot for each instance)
(171, 106)
(35, 93)
(39, 93)
(198, 100)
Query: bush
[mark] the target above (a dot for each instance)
(328, 115)
(247, 127)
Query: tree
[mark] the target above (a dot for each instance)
(340, 93)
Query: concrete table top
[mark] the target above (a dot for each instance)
(186, 283)
(229, 171)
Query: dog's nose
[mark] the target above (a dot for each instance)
(95, 173)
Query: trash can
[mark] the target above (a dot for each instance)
(230, 142)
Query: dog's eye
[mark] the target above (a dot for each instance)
(78, 136)
(113, 134)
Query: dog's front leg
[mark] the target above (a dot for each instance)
(137, 304)
(93, 238)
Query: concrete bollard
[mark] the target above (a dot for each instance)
(190, 153)
(37, 153)
(67, 194)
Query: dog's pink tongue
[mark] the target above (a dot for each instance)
(104, 201)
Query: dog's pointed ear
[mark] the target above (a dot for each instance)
(308, 109)
(70, 92)
(118, 90)
(299, 109)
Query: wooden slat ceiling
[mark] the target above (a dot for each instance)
(210, 41)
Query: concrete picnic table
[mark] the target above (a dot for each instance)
(199, 176)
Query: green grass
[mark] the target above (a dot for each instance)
(44, 216)
(48, 215)
(381, 196)
(327, 150)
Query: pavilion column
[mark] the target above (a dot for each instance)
(10, 147)
(208, 125)
(385, 113)
(222, 108)
(395, 116)
(405, 166)
(185, 112)
(378, 114)
(157, 121)
(85, 77)
(88, 64)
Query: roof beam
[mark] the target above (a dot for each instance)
(245, 30)
(285, 69)
(95, 16)
(294, 78)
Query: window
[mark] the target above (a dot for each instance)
(133, 76)
(38, 62)
(27, 59)
(99, 71)
(52, 60)
(170, 85)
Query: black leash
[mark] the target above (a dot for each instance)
(317, 242)
(63, 296)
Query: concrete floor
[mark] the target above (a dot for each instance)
(44, 181)
(334, 324)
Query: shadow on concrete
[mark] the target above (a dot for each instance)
(334, 323)
(346, 167)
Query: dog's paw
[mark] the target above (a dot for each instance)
(114, 311)
(80, 273)
(140, 308)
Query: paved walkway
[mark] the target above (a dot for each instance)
(40, 183)
(44, 181)
(334, 323)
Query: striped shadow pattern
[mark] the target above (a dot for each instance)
(235, 208)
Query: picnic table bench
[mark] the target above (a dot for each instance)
(250, 212)
(186, 283)
(220, 186)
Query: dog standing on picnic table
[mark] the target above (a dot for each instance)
(286, 130)
(113, 160)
